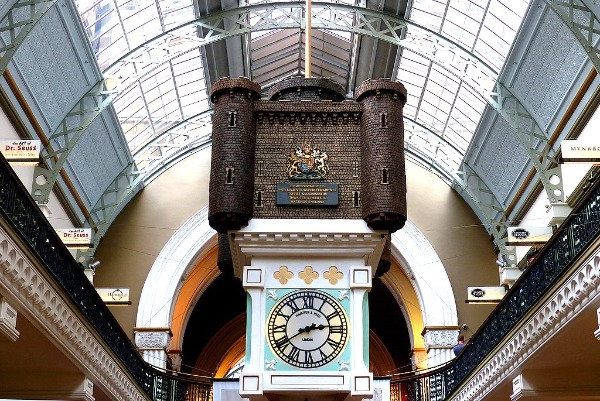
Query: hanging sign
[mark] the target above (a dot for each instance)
(310, 194)
(21, 152)
(114, 296)
(485, 294)
(580, 151)
(76, 237)
(528, 236)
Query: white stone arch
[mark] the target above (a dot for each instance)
(424, 267)
(426, 272)
(186, 246)
(195, 237)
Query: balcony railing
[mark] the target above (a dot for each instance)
(18, 208)
(572, 237)
(566, 245)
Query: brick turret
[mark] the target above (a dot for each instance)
(233, 151)
(383, 177)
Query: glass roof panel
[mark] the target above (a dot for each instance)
(428, 13)
(173, 13)
(161, 82)
(276, 54)
(163, 85)
(451, 86)
(498, 31)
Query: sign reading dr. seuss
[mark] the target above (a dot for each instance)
(20, 151)
(75, 237)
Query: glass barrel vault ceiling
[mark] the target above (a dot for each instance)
(152, 51)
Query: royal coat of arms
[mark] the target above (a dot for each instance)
(307, 163)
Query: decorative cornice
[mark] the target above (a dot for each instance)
(330, 117)
(306, 236)
(439, 337)
(158, 339)
(24, 284)
(578, 291)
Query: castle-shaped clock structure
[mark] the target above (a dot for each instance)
(305, 187)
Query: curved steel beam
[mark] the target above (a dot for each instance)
(418, 138)
(16, 24)
(129, 180)
(493, 215)
(158, 153)
(267, 16)
(450, 55)
(132, 178)
(64, 138)
(583, 23)
(535, 140)
(466, 181)
(289, 15)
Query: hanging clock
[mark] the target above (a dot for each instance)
(307, 329)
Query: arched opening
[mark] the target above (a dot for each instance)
(384, 176)
(188, 265)
(388, 324)
(229, 176)
(223, 301)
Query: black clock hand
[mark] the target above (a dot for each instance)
(310, 328)
(307, 329)
(303, 330)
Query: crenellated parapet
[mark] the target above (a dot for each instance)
(235, 87)
(308, 152)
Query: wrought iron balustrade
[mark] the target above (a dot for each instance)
(554, 259)
(570, 240)
(19, 209)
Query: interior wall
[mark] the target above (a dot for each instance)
(458, 237)
(140, 231)
(131, 245)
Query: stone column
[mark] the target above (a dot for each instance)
(153, 342)
(175, 358)
(418, 357)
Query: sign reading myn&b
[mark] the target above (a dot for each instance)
(310, 194)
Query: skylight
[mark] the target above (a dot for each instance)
(451, 55)
(447, 96)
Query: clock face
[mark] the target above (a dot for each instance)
(307, 328)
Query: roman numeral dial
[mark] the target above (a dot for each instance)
(307, 329)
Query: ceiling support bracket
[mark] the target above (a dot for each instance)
(19, 20)
(64, 138)
(583, 23)
(532, 138)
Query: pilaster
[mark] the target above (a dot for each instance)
(8, 320)
(153, 344)
(439, 341)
